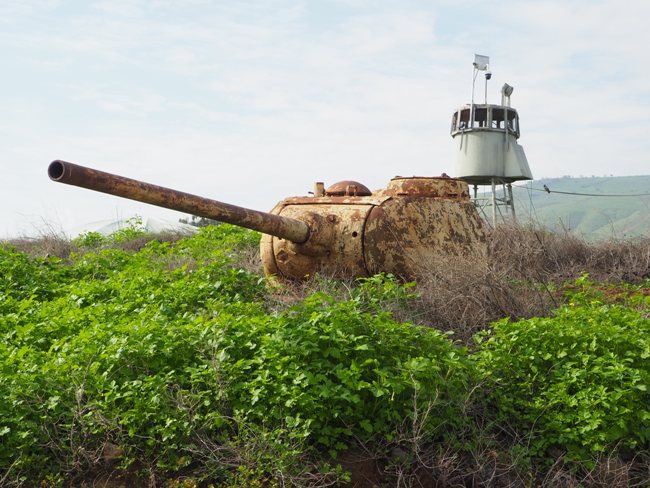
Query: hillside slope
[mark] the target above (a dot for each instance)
(600, 216)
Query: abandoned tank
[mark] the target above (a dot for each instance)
(407, 228)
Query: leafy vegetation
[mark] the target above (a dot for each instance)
(578, 381)
(173, 363)
(331, 371)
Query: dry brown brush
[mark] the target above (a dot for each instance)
(523, 277)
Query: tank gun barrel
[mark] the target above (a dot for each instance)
(73, 174)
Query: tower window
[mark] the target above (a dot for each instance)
(480, 117)
(498, 119)
(464, 119)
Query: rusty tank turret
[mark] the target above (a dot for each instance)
(405, 229)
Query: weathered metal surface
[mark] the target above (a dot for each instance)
(73, 174)
(410, 236)
(334, 247)
(348, 188)
(376, 199)
(412, 224)
(407, 229)
(427, 222)
(440, 187)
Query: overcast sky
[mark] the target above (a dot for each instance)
(251, 101)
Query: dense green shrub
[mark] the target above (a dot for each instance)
(578, 381)
(28, 278)
(330, 371)
(107, 349)
(153, 351)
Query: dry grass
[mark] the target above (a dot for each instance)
(56, 244)
(440, 467)
(546, 256)
(141, 241)
(50, 245)
(523, 277)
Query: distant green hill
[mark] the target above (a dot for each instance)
(592, 217)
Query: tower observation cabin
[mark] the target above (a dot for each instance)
(487, 153)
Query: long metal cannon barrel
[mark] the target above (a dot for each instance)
(92, 179)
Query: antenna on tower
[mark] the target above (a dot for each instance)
(481, 63)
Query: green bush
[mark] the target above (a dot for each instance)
(331, 371)
(157, 350)
(133, 229)
(90, 239)
(578, 381)
(28, 278)
(113, 347)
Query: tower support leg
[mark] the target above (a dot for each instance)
(494, 203)
(511, 202)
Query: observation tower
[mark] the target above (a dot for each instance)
(487, 153)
